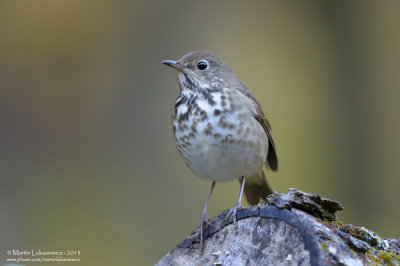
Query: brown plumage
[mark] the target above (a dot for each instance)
(220, 129)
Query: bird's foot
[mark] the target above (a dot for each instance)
(232, 212)
(203, 221)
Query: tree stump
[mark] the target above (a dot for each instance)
(296, 228)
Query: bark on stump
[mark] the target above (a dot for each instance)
(296, 228)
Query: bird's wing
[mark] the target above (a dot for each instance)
(272, 157)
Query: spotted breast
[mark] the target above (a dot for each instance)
(217, 134)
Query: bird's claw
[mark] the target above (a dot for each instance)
(203, 221)
(232, 212)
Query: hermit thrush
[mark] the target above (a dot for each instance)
(220, 129)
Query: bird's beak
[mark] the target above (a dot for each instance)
(173, 64)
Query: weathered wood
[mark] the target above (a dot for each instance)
(288, 229)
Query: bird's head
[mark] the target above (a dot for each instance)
(203, 69)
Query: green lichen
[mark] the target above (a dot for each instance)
(355, 231)
(333, 225)
(363, 234)
(389, 257)
(337, 224)
(380, 257)
(324, 246)
(326, 215)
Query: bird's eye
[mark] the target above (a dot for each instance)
(202, 65)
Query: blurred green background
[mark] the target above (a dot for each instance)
(87, 157)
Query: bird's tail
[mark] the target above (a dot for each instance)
(256, 188)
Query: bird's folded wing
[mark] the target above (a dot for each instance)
(272, 157)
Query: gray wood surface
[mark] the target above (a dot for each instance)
(296, 228)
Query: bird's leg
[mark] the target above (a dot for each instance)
(238, 204)
(203, 219)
